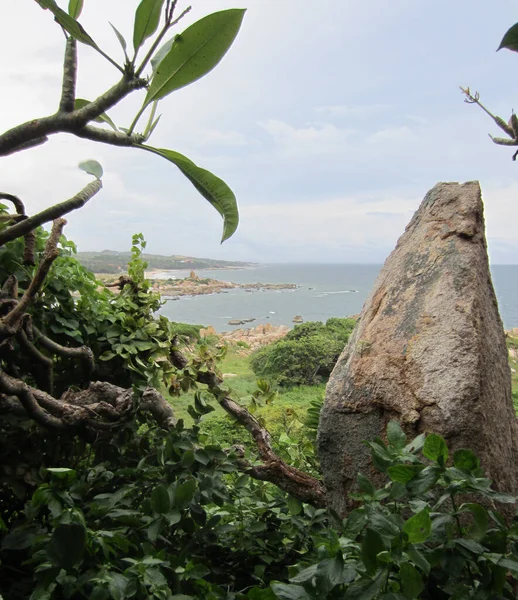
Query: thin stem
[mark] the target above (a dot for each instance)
(116, 65)
(136, 119)
(151, 118)
(165, 29)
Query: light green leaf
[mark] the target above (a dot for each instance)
(67, 545)
(160, 501)
(418, 527)
(122, 40)
(435, 448)
(92, 167)
(102, 118)
(212, 188)
(465, 459)
(510, 39)
(395, 435)
(403, 473)
(74, 28)
(195, 52)
(294, 505)
(74, 8)
(147, 17)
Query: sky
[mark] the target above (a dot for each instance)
(330, 121)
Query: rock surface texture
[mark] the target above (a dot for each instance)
(429, 350)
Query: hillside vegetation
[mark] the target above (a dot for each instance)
(111, 262)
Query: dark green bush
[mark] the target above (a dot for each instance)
(306, 355)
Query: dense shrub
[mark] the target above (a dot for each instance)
(307, 354)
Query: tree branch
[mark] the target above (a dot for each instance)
(51, 213)
(51, 253)
(114, 138)
(84, 353)
(290, 479)
(68, 88)
(18, 137)
(30, 238)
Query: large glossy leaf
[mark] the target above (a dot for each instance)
(74, 8)
(212, 188)
(67, 545)
(195, 52)
(160, 501)
(418, 527)
(510, 39)
(74, 28)
(147, 18)
(102, 118)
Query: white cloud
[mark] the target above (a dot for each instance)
(311, 140)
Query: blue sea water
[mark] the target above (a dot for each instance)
(325, 291)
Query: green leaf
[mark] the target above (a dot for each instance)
(102, 118)
(212, 188)
(74, 8)
(294, 505)
(184, 494)
(92, 167)
(371, 546)
(160, 501)
(418, 559)
(147, 17)
(195, 52)
(396, 435)
(67, 545)
(403, 473)
(365, 485)
(510, 39)
(122, 40)
(288, 591)
(465, 459)
(418, 527)
(480, 519)
(19, 539)
(62, 472)
(68, 23)
(435, 448)
(424, 480)
(411, 581)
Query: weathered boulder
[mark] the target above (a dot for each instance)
(429, 350)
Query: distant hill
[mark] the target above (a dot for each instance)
(109, 261)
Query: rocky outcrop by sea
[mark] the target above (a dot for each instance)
(428, 350)
(250, 339)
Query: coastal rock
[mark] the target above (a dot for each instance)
(429, 350)
(255, 337)
(298, 319)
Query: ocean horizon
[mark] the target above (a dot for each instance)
(325, 291)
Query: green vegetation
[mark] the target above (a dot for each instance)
(306, 355)
(110, 262)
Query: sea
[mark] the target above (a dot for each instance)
(327, 290)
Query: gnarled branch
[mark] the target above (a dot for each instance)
(290, 479)
(51, 213)
(68, 88)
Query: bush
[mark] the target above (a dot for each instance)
(306, 355)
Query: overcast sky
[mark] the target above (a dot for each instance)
(330, 120)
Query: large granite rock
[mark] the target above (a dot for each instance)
(429, 350)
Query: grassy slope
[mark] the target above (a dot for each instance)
(288, 404)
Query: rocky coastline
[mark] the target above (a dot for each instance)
(173, 289)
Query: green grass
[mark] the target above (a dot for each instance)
(513, 363)
(289, 405)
